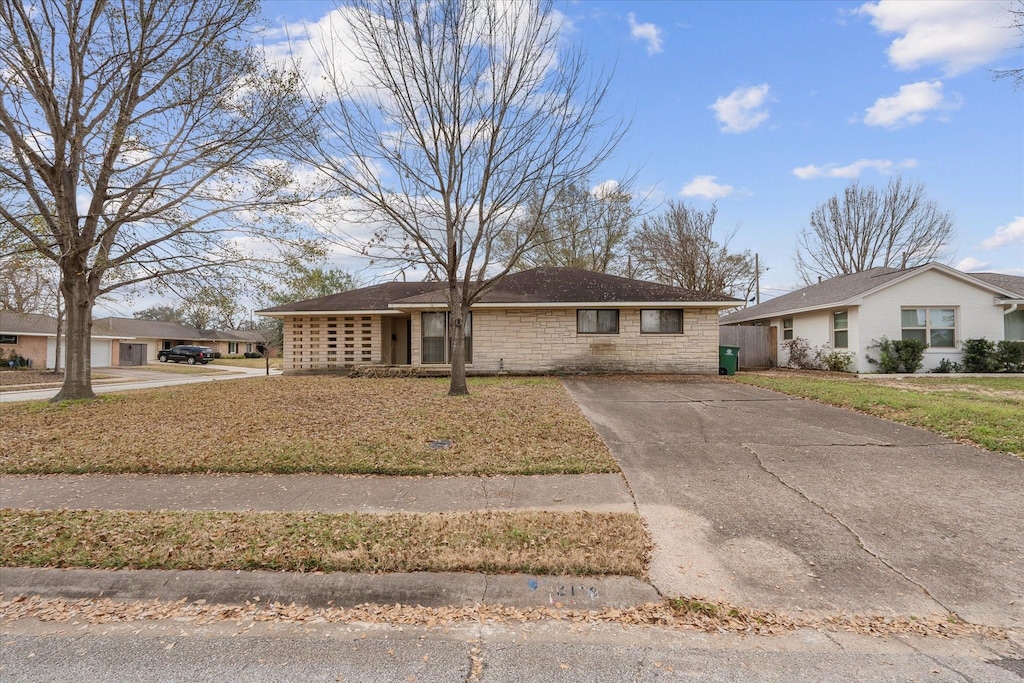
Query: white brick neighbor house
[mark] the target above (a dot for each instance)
(539, 320)
(937, 304)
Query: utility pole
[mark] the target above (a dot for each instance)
(757, 278)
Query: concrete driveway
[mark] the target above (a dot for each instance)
(779, 503)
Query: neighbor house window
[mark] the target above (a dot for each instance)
(787, 328)
(1013, 326)
(8, 339)
(437, 346)
(936, 327)
(232, 347)
(597, 321)
(248, 348)
(840, 330)
(661, 321)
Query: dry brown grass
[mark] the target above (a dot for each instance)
(18, 380)
(495, 542)
(178, 369)
(310, 424)
(275, 363)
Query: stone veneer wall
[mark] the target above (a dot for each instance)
(331, 342)
(544, 340)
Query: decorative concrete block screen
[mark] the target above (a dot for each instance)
(331, 342)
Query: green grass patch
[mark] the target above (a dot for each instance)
(329, 425)
(984, 411)
(577, 543)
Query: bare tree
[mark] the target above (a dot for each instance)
(584, 228)
(135, 140)
(456, 116)
(1015, 9)
(866, 228)
(678, 247)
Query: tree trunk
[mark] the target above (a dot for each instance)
(78, 301)
(60, 330)
(457, 335)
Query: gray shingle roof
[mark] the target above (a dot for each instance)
(574, 285)
(1011, 283)
(825, 293)
(27, 323)
(842, 288)
(373, 298)
(538, 285)
(155, 329)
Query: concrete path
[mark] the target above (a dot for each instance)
(127, 379)
(317, 493)
(779, 503)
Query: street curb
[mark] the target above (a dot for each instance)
(331, 590)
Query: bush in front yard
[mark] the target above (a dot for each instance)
(894, 354)
(979, 355)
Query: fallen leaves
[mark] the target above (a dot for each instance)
(310, 424)
(663, 615)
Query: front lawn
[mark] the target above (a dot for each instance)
(328, 425)
(275, 363)
(493, 542)
(986, 411)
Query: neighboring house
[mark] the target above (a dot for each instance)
(539, 320)
(937, 304)
(155, 335)
(30, 335)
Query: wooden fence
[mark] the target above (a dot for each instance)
(758, 345)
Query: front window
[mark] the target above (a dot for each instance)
(597, 321)
(437, 346)
(840, 331)
(661, 321)
(8, 339)
(232, 347)
(935, 327)
(787, 328)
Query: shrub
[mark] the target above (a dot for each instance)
(979, 355)
(836, 361)
(253, 354)
(946, 366)
(800, 354)
(216, 355)
(1010, 356)
(894, 354)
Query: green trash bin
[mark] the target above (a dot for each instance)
(728, 360)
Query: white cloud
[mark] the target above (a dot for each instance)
(958, 34)
(971, 265)
(883, 166)
(705, 186)
(605, 189)
(909, 105)
(1005, 235)
(742, 109)
(647, 32)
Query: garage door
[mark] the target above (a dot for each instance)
(100, 356)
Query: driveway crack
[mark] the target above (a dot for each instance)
(860, 540)
(939, 662)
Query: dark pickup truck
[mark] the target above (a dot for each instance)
(187, 353)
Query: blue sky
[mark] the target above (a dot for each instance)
(769, 108)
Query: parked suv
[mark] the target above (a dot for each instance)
(189, 354)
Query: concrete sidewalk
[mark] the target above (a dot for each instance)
(317, 493)
(128, 379)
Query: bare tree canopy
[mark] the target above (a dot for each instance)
(584, 228)
(442, 122)
(678, 247)
(1015, 10)
(134, 140)
(867, 228)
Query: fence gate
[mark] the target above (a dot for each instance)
(758, 348)
(132, 354)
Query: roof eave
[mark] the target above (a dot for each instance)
(575, 304)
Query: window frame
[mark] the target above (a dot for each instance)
(446, 339)
(787, 330)
(682, 325)
(927, 328)
(597, 320)
(7, 339)
(845, 329)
